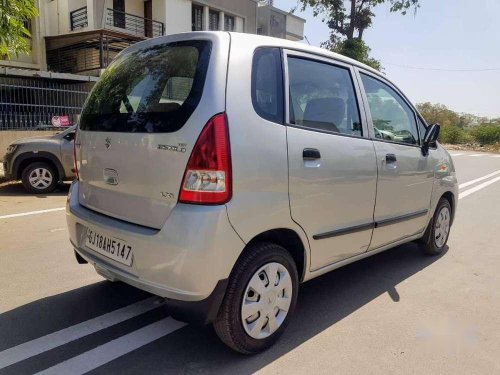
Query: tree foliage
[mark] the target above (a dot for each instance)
(457, 128)
(13, 32)
(355, 49)
(348, 19)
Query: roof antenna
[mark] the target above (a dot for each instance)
(305, 37)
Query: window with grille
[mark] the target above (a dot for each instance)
(229, 23)
(197, 18)
(213, 20)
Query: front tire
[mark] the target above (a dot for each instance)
(436, 235)
(39, 178)
(260, 298)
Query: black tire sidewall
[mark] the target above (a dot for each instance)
(27, 171)
(430, 244)
(243, 342)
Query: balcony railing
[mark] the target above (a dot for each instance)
(132, 24)
(78, 18)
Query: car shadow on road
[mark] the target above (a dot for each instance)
(15, 189)
(193, 349)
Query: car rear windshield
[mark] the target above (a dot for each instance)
(151, 90)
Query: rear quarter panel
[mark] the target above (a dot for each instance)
(258, 152)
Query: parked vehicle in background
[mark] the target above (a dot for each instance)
(41, 162)
(221, 178)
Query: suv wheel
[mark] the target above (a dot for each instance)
(437, 233)
(260, 298)
(39, 178)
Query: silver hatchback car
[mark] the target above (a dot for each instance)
(220, 170)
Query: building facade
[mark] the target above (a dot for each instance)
(74, 40)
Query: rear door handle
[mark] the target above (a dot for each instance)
(311, 154)
(390, 159)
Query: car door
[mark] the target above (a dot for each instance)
(332, 166)
(67, 157)
(405, 173)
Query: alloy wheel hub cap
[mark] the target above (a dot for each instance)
(40, 178)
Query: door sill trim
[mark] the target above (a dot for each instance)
(372, 225)
(340, 263)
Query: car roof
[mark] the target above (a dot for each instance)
(261, 41)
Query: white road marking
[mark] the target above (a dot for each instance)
(477, 155)
(53, 340)
(477, 188)
(456, 154)
(57, 230)
(495, 156)
(32, 213)
(472, 182)
(114, 349)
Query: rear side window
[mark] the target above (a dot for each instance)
(267, 84)
(322, 97)
(152, 90)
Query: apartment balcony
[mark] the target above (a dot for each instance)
(132, 24)
(119, 21)
(93, 44)
(86, 52)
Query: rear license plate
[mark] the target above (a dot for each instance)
(110, 247)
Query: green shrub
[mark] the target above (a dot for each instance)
(452, 135)
(486, 134)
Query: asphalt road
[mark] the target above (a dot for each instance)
(396, 312)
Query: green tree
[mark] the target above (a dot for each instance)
(355, 49)
(439, 113)
(348, 19)
(487, 134)
(13, 32)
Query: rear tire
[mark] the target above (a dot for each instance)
(438, 230)
(267, 268)
(39, 178)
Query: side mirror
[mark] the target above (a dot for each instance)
(430, 137)
(70, 136)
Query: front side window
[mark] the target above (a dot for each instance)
(393, 119)
(267, 84)
(422, 128)
(151, 90)
(322, 97)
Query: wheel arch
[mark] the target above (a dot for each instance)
(23, 160)
(450, 197)
(290, 241)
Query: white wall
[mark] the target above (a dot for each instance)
(295, 26)
(239, 24)
(159, 10)
(177, 16)
(134, 7)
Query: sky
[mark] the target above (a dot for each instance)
(443, 34)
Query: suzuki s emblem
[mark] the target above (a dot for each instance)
(108, 142)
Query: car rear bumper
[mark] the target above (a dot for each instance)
(187, 261)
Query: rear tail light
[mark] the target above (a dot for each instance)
(207, 178)
(74, 155)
